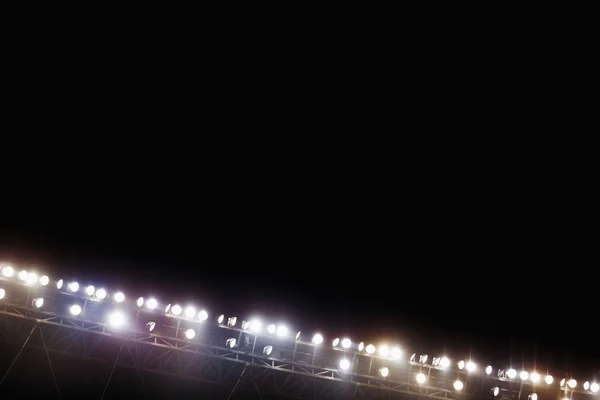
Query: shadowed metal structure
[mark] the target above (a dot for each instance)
(235, 361)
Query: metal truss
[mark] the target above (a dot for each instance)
(225, 368)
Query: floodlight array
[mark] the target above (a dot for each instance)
(253, 336)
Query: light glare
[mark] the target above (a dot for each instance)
(458, 385)
(421, 378)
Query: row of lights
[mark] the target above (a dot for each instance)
(255, 326)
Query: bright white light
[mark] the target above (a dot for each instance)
(549, 379)
(90, 290)
(458, 385)
(140, 302)
(594, 387)
(461, 364)
(59, 284)
(524, 375)
(344, 364)
(101, 293)
(361, 346)
(2, 293)
(22, 275)
(73, 287)
(231, 343)
(445, 362)
(203, 316)
(572, 383)
(255, 326)
(190, 334)
(396, 353)
(31, 278)
(586, 385)
(335, 342)
(44, 280)
(384, 372)
(282, 331)
(562, 382)
(75, 309)
(190, 312)
(421, 378)
(271, 329)
(267, 350)
(346, 343)
(317, 339)
(496, 391)
(119, 297)
(384, 350)
(370, 349)
(38, 303)
(152, 303)
(219, 320)
(116, 319)
(471, 366)
(533, 396)
(176, 309)
(231, 321)
(8, 271)
(151, 325)
(511, 373)
(535, 377)
(488, 369)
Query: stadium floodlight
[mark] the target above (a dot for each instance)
(445, 362)
(346, 343)
(231, 321)
(511, 373)
(282, 331)
(594, 387)
(549, 379)
(458, 385)
(75, 309)
(101, 294)
(361, 346)
(202, 316)
(370, 349)
(90, 290)
(44, 280)
(384, 372)
(317, 339)
(396, 353)
(59, 284)
(335, 342)
(471, 366)
(140, 301)
(190, 312)
(255, 326)
(38, 303)
(572, 383)
(267, 350)
(271, 329)
(421, 378)
(8, 271)
(488, 369)
(524, 375)
(119, 297)
(461, 364)
(231, 342)
(495, 391)
(344, 364)
(533, 396)
(22, 275)
(586, 385)
(562, 382)
(423, 359)
(176, 309)
(116, 319)
(190, 334)
(412, 358)
(31, 278)
(152, 303)
(221, 319)
(2, 293)
(150, 326)
(73, 287)
(384, 350)
(535, 377)
(298, 335)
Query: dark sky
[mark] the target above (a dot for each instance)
(433, 258)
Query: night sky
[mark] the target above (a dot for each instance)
(437, 262)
